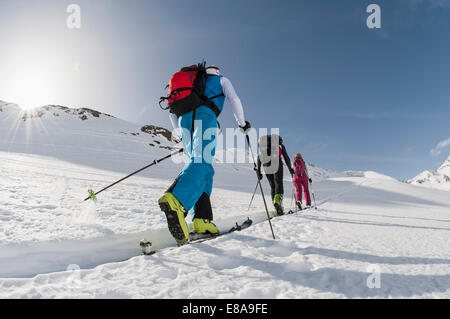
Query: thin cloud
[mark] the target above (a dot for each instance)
(437, 150)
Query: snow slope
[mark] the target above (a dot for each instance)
(54, 245)
(400, 228)
(80, 136)
(439, 179)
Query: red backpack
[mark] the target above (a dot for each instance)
(186, 91)
(299, 167)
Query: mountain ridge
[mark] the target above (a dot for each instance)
(440, 178)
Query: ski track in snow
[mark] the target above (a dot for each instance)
(402, 229)
(68, 231)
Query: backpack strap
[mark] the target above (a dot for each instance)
(175, 92)
(213, 107)
(192, 129)
(216, 96)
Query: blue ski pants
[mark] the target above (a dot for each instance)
(199, 144)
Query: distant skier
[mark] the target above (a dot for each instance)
(301, 180)
(271, 149)
(196, 98)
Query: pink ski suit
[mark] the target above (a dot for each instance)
(301, 179)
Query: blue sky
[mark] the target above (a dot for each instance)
(347, 97)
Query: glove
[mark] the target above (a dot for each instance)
(246, 127)
(292, 172)
(310, 180)
(258, 173)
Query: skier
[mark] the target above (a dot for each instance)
(195, 114)
(271, 149)
(301, 180)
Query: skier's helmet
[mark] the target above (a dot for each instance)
(213, 70)
(276, 139)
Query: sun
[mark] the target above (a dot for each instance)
(31, 87)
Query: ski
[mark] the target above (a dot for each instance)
(298, 210)
(194, 237)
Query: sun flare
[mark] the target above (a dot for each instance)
(32, 87)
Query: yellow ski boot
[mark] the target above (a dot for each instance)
(205, 226)
(278, 203)
(175, 214)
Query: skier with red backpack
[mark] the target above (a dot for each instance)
(301, 181)
(196, 98)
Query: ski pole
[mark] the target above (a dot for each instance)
(260, 186)
(314, 197)
(92, 195)
(251, 201)
(293, 192)
(292, 198)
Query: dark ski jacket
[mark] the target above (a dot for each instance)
(283, 153)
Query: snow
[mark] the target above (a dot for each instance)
(445, 167)
(439, 179)
(54, 245)
(370, 174)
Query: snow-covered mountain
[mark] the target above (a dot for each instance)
(44, 123)
(82, 136)
(439, 179)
